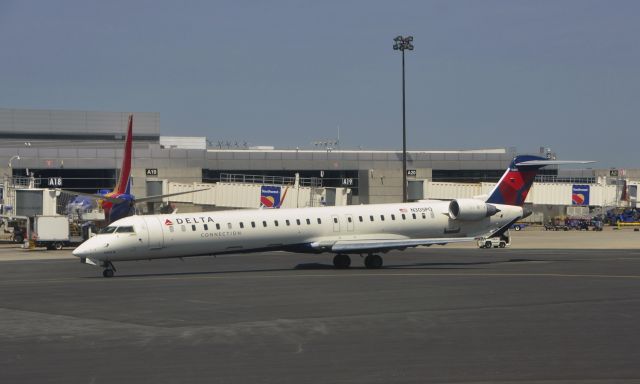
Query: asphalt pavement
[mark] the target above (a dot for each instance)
(431, 315)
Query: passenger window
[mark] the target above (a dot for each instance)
(193, 227)
(171, 229)
(218, 226)
(404, 217)
(424, 215)
(360, 218)
(414, 215)
(275, 222)
(264, 224)
(206, 227)
(335, 220)
(229, 225)
(183, 227)
(382, 217)
(241, 224)
(308, 222)
(298, 221)
(253, 224)
(287, 222)
(393, 217)
(371, 217)
(349, 219)
(319, 221)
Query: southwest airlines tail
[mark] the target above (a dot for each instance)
(514, 185)
(124, 181)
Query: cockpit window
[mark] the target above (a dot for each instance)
(107, 230)
(124, 230)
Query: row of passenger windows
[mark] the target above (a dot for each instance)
(288, 222)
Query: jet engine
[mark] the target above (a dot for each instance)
(471, 209)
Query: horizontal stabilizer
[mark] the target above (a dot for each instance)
(552, 162)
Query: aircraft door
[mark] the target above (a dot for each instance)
(336, 223)
(349, 223)
(156, 235)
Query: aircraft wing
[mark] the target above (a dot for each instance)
(160, 197)
(113, 200)
(371, 245)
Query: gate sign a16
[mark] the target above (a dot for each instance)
(580, 195)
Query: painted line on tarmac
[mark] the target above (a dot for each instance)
(155, 277)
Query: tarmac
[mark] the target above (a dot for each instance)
(555, 307)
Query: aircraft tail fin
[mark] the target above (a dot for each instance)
(124, 181)
(514, 185)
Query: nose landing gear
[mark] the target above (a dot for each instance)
(109, 269)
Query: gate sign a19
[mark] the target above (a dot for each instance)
(580, 195)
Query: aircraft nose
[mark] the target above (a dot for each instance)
(81, 250)
(87, 249)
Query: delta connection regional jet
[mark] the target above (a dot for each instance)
(347, 230)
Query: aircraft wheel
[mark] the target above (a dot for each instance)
(341, 261)
(373, 261)
(107, 272)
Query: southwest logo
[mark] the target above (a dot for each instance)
(577, 199)
(168, 222)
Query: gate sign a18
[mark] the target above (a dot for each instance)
(580, 195)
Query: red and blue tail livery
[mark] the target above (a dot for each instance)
(514, 185)
(120, 202)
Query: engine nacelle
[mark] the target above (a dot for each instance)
(471, 209)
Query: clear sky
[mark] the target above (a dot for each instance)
(524, 74)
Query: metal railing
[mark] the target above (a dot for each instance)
(271, 180)
(559, 179)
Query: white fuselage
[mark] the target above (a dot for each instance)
(300, 230)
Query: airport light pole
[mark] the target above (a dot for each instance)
(14, 157)
(401, 44)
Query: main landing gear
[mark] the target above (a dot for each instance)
(108, 270)
(373, 262)
(342, 261)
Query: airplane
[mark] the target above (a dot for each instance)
(120, 202)
(343, 231)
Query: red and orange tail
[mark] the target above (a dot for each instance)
(124, 181)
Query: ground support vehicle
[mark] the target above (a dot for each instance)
(495, 242)
(12, 229)
(56, 232)
(555, 226)
(518, 226)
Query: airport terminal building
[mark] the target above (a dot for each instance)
(82, 150)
